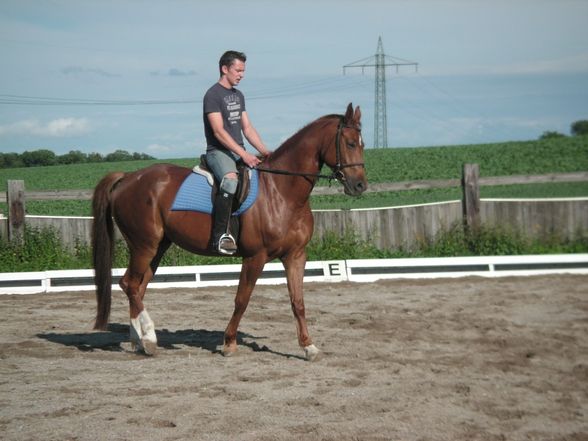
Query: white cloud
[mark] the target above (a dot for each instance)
(557, 65)
(57, 128)
(181, 73)
(175, 148)
(159, 148)
(79, 70)
(572, 64)
(175, 72)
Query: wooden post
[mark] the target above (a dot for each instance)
(471, 196)
(16, 210)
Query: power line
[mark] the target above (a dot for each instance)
(53, 101)
(333, 85)
(458, 106)
(310, 87)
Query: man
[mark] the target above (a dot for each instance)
(225, 123)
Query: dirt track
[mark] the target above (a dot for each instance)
(465, 359)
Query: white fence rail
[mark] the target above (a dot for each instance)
(363, 271)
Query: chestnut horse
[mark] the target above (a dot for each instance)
(279, 225)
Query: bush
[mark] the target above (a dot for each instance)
(487, 241)
(43, 250)
(348, 246)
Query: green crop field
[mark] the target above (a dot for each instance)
(559, 155)
(43, 250)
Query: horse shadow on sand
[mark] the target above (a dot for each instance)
(117, 336)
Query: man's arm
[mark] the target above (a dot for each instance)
(216, 123)
(252, 135)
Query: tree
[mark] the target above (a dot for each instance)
(95, 157)
(119, 155)
(549, 134)
(580, 128)
(10, 160)
(141, 156)
(38, 158)
(73, 157)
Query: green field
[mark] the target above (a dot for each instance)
(558, 155)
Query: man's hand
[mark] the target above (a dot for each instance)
(250, 160)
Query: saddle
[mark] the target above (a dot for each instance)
(243, 185)
(199, 189)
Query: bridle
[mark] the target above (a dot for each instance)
(337, 169)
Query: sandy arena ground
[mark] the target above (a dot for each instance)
(453, 359)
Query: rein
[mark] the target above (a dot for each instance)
(337, 170)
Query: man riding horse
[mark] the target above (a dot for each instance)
(225, 121)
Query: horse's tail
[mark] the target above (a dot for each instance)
(103, 246)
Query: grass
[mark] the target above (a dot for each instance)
(561, 155)
(44, 251)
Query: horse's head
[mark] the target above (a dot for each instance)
(346, 159)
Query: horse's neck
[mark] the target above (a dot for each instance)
(300, 154)
(302, 161)
(297, 160)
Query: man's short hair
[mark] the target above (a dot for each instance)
(228, 58)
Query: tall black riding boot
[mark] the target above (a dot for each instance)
(222, 239)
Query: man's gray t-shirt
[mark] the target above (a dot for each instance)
(231, 104)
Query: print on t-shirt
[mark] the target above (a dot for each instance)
(233, 103)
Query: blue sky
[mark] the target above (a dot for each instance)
(97, 76)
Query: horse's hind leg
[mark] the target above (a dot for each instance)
(134, 283)
(142, 329)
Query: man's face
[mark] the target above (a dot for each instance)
(234, 72)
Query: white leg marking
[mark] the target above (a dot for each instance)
(136, 334)
(311, 352)
(149, 339)
(143, 333)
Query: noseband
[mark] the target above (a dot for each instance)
(337, 170)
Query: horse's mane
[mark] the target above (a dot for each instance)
(293, 140)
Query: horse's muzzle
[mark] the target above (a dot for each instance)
(354, 187)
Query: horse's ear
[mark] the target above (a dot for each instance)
(349, 114)
(357, 115)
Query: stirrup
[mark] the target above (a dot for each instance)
(227, 245)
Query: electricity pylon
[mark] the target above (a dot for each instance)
(380, 61)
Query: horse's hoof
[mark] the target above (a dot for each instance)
(311, 352)
(149, 347)
(229, 351)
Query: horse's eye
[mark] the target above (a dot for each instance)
(351, 144)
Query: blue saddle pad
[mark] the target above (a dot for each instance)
(195, 195)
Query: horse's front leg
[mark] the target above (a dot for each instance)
(250, 272)
(294, 264)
